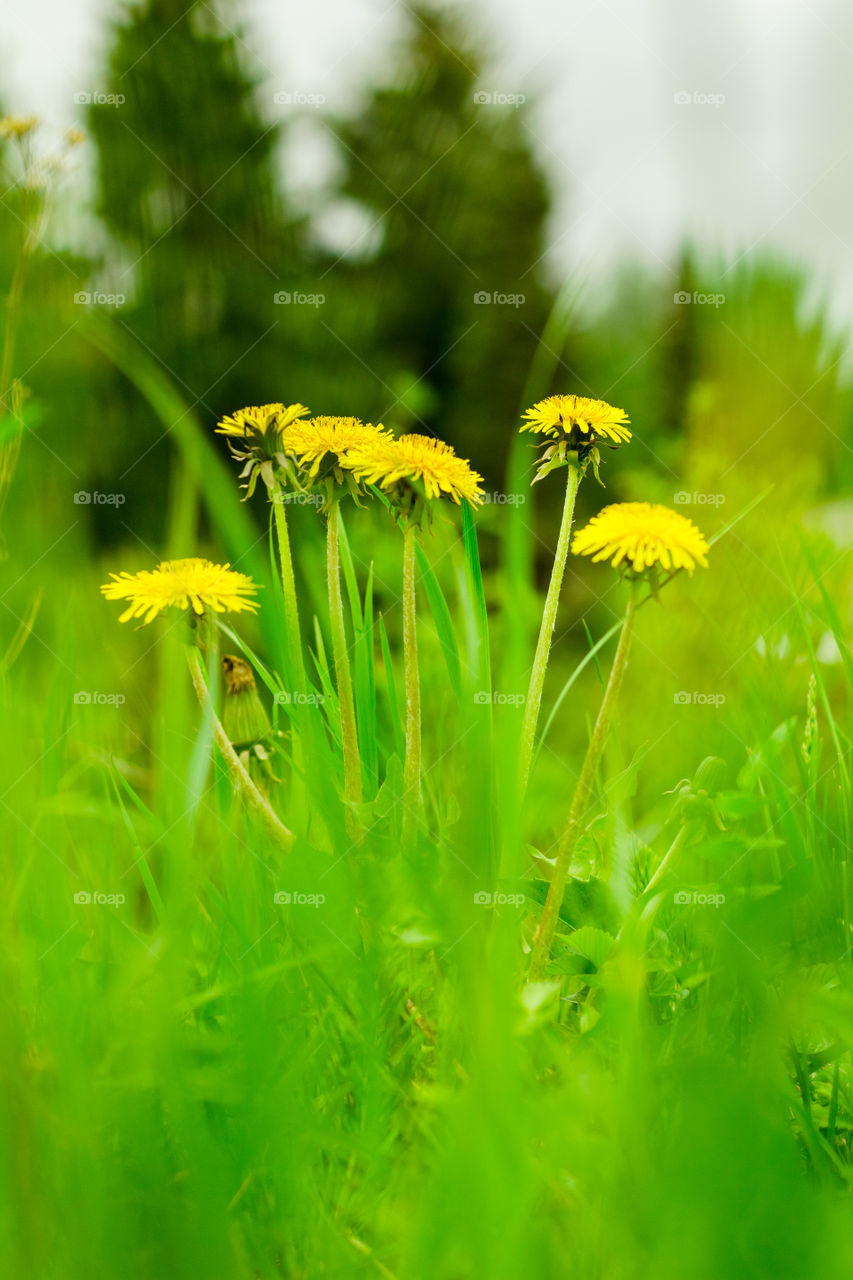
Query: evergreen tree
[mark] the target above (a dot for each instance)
(188, 192)
(452, 184)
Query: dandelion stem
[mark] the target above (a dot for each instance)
(551, 912)
(240, 779)
(412, 767)
(295, 661)
(343, 676)
(288, 584)
(546, 630)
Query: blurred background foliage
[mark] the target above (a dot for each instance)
(444, 201)
(194, 226)
(189, 212)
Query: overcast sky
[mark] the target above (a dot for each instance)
(755, 150)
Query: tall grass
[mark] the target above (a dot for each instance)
(243, 1062)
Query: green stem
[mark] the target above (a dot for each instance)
(551, 912)
(412, 767)
(295, 662)
(343, 677)
(546, 630)
(288, 583)
(240, 779)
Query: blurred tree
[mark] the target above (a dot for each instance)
(446, 172)
(767, 382)
(188, 190)
(38, 347)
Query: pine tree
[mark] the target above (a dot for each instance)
(189, 194)
(452, 184)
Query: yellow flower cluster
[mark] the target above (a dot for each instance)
(639, 534)
(260, 420)
(644, 534)
(191, 583)
(320, 438)
(409, 459)
(564, 415)
(408, 468)
(336, 445)
(18, 127)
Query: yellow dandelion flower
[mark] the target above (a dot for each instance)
(388, 462)
(258, 420)
(75, 137)
(18, 127)
(645, 534)
(568, 415)
(192, 583)
(313, 440)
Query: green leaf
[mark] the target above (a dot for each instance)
(593, 944)
(441, 617)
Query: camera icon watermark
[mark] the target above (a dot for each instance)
(483, 698)
(490, 98)
(697, 699)
(285, 299)
(298, 98)
(682, 298)
(504, 499)
(97, 899)
(694, 98)
(684, 499)
(93, 698)
(95, 98)
(486, 298)
(296, 498)
(296, 698)
(97, 299)
(483, 899)
(84, 498)
(283, 898)
(693, 898)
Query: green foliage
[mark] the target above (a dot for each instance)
(453, 186)
(201, 239)
(201, 1075)
(235, 1062)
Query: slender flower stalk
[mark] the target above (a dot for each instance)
(254, 437)
(295, 660)
(546, 630)
(343, 675)
(412, 766)
(635, 537)
(573, 430)
(415, 471)
(201, 590)
(237, 771)
(566, 848)
(315, 451)
(288, 584)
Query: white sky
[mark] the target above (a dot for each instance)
(634, 170)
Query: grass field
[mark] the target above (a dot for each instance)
(279, 1013)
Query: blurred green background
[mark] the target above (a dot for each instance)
(197, 237)
(189, 1087)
